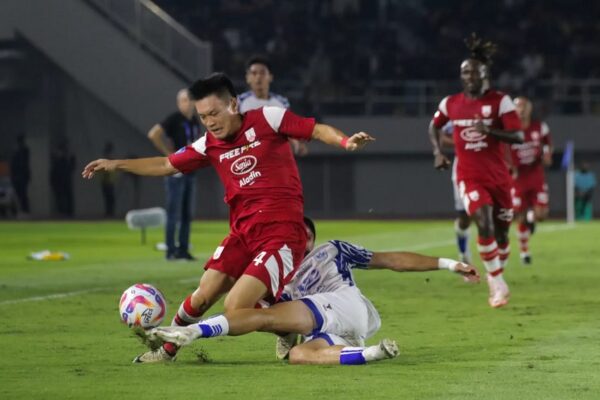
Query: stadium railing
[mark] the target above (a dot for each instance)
(155, 30)
(421, 97)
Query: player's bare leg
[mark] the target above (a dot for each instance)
(526, 228)
(462, 224)
(292, 316)
(318, 351)
(488, 250)
(245, 293)
(213, 285)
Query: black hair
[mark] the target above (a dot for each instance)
(218, 84)
(480, 49)
(258, 60)
(311, 226)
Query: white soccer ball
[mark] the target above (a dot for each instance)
(142, 305)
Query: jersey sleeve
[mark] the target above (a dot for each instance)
(287, 123)
(190, 158)
(440, 118)
(357, 257)
(508, 114)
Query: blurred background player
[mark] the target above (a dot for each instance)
(324, 304)
(254, 161)
(259, 76)
(585, 183)
(530, 196)
(483, 119)
(178, 130)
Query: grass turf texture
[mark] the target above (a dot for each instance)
(544, 344)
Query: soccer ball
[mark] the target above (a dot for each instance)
(142, 305)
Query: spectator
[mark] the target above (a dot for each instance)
(20, 174)
(62, 166)
(108, 180)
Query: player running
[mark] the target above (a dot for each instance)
(530, 196)
(483, 120)
(323, 304)
(254, 161)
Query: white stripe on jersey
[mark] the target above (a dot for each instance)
(200, 145)
(443, 107)
(274, 115)
(545, 129)
(506, 105)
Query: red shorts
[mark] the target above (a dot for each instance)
(271, 252)
(530, 194)
(475, 195)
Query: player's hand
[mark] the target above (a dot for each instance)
(547, 159)
(299, 147)
(441, 161)
(101, 164)
(480, 126)
(469, 272)
(358, 141)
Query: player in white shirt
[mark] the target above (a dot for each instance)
(323, 304)
(259, 77)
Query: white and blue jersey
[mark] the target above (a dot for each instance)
(248, 101)
(324, 282)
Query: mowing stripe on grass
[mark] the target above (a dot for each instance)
(50, 297)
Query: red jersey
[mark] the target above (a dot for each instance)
(527, 156)
(256, 166)
(480, 157)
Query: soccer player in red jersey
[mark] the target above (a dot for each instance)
(483, 120)
(253, 159)
(530, 196)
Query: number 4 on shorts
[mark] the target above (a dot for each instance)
(259, 258)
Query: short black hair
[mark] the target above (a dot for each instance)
(258, 60)
(218, 84)
(311, 226)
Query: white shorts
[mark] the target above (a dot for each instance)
(344, 317)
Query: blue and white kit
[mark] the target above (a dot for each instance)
(248, 101)
(324, 282)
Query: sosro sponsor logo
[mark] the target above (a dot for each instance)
(250, 179)
(243, 165)
(471, 135)
(238, 151)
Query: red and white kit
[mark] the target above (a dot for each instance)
(482, 173)
(267, 239)
(530, 185)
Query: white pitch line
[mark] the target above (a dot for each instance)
(49, 297)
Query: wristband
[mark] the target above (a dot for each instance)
(447, 263)
(344, 143)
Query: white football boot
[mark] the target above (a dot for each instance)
(499, 293)
(284, 345)
(179, 335)
(154, 356)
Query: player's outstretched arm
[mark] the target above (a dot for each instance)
(401, 261)
(334, 137)
(515, 136)
(440, 161)
(153, 166)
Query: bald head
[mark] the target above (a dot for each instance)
(523, 107)
(184, 104)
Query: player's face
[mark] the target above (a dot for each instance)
(471, 76)
(310, 240)
(184, 104)
(523, 108)
(219, 116)
(259, 78)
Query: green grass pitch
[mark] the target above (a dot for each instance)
(61, 337)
